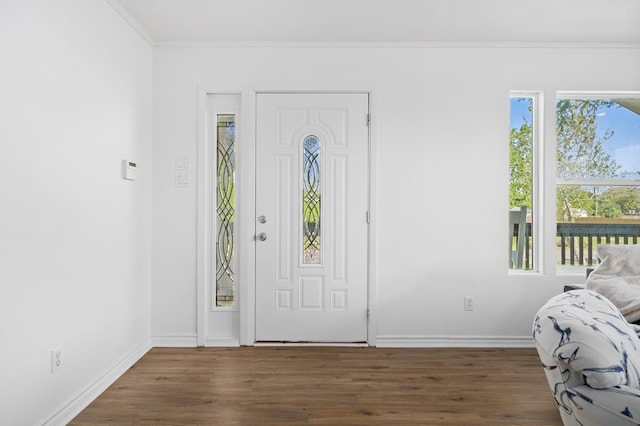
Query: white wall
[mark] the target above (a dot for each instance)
(76, 243)
(442, 130)
(75, 99)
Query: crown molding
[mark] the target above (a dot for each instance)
(124, 13)
(408, 44)
(401, 44)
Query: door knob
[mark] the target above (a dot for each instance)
(262, 219)
(262, 236)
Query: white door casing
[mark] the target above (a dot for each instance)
(297, 300)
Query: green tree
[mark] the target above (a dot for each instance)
(574, 201)
(609, 209)
(520, 163)
(580, 154)
(626, 198)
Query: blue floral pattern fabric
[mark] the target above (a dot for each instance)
(591, 357)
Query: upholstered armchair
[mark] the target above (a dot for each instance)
(591, 357)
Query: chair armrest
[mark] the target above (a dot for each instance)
(621, 402)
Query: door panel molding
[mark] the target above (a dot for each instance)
(333, 128)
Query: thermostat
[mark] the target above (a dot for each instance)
(129, 170)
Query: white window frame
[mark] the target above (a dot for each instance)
(205, 237)
(537, 198)
(568, 94)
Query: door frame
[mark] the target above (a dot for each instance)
(246, 206)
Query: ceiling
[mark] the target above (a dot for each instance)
(384, 21)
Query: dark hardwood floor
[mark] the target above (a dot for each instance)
(328, 386)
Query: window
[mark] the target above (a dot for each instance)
(597, 175)
(523, 143)
(225, 211)
(311, 191)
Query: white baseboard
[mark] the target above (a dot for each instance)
(454, 341)
(310, 345)
(191, 341)
(222, 342)
(89, 394)
(175, 341)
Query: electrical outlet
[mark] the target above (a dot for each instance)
(468, 303)
(56, 360)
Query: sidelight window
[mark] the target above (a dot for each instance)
(225, 210)
(523, 143)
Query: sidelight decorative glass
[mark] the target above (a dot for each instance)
(311, 173)
(522, 142)
(225, 210)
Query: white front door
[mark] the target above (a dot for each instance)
(311, 217)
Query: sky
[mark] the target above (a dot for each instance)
(624, 145)
(625, 142)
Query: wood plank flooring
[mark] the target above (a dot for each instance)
(328, 386)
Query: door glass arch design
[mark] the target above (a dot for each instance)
(311, 205)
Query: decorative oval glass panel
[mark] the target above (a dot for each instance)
(311, 174)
